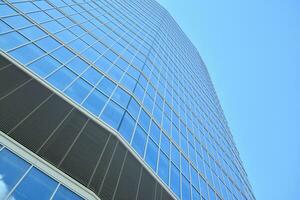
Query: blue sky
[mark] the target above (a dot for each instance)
(252, 51)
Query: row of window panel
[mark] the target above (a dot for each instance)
(21, 180)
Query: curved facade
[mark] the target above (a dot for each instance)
(130, 67)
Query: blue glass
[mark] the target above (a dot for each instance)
(112, 114)
(155, 132)
(175, 134)
(139, 140)
(175, 155)
(152, 154)
(203, 187)
(185, 167)
(95, 102)
(44, 66)
(194, 178)
(212, 195)
(35, 185)
(126, 127)
(64, 193)
(195, 194)
(63, 54)
(52, 26)
(144, 120)
(61, 78)
(26, 7)
(106, 86)
(163, 167)
(128, 82)
(121, 97)
(185, 187)
(77, 65)
(165, 144)
(48, 43)
(92, 75)
(133, 108)
(139, 92)
(33, 32)
(4, 27)
(5, 10)
(12, 168)
(22, 55)
(78, 90)
(175, 180)
(11, 40)
(17, 21)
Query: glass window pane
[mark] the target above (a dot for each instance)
(5, 10)
(44, 66)
(95, 102)
(35, 185)
(144, 120)
(61, 78)
(165, 144)
(155, 132)
(23, 56)
(185, 167)
(32, 32)
(12, 168)
(112, 114)
(17, 21)
(175, 156)
(121, 97)
(175, 180)
(186, 195)
(106, 86)
(64, 193)
(92, 75)
(139, 141)
(11, 40)
(78, 90)
(127, 126)
(163, 168)
(152, 154)
(133, 108)
(77, 65)
(63, 54)
(48, 44)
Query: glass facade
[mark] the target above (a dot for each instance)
(21, 180)
(130, 65)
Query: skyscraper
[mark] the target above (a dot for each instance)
(109, 99)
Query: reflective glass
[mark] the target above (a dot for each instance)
(186, 193)
(12, 168)
(44, 66)
(126, 127)
(61, 78)
(139, 140)
(78, 90)
(175, 180)
(35, 185)
(11, 40)
(121, 97)
(152, 154)
(106, 86)
(95, 102)
(22, 55)
(112, 114)
(163, 167)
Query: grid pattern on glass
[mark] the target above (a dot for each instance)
(21, 180)
(129, 64)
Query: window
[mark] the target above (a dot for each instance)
(12, 168)
(78, 90)
(203, 187)
(95, 102)
(163, 167)
(23, 56)
(144, 120)
(61, 78)
(35, 185)
(185, 167)
(48, 44)
(165, 144)
(77, 65)
(127, 126)
(134, 108)
(151, 154)
(121, 97)
(194, 177)
(63, 54)
(154, 132)
(175, 156)
(92, 75)
(139, 141)
(112, 114)
(17, 21)
(106, 86)
(44, 66)
(186, 195)
(6, 10)
(32, 32)
(175, 180)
